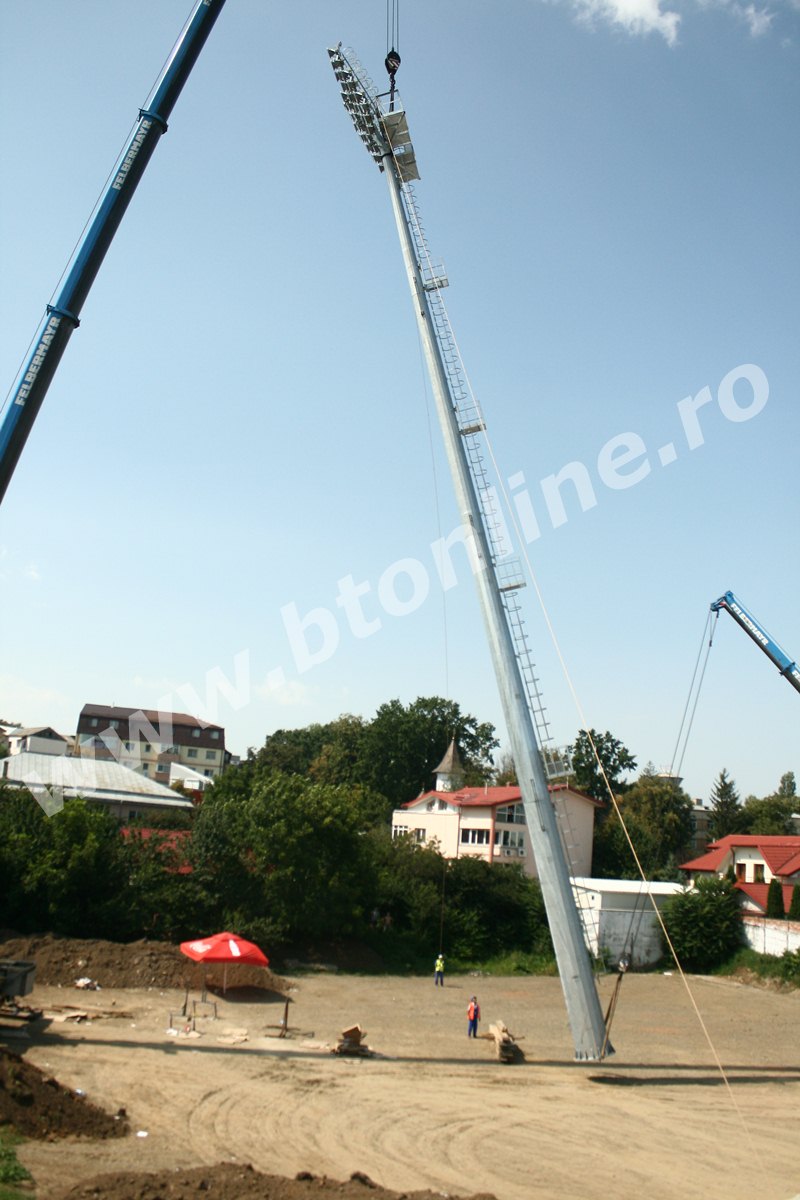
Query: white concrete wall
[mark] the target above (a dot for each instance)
(636, 935)
(771, 937)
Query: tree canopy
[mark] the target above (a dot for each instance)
(616, 761)
(393, 755)
(658, 816)
(772, 814)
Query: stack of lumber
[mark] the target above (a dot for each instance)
(352, 1042)
(505, 1046)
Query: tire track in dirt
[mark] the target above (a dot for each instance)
(340, 1117)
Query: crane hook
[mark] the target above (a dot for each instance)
(392, 62)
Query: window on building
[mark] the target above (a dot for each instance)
(419, 835)
(208, 774)
(511, 814)
(147, 747)
(475, 837)
(741, 872)
(129, 745)
(399, 830)
(161, 766)
(93, 722)
(192, 753)
(196, 733)
(511, 839)
(215, 734)
(211, 755)
(758, 872)
(113, 724)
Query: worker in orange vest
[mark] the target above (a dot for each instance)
(473, 1016)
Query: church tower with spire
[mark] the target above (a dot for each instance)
(450, 771)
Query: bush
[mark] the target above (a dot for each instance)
(704, 924)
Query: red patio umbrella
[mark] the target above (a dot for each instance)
(224, 948)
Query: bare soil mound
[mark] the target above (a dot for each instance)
(39, 1107)
(62, 961)
(229, 1181)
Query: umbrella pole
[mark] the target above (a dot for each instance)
(225, 979)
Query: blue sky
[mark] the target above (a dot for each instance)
(242, 420)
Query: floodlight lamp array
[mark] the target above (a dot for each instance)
(359, 96)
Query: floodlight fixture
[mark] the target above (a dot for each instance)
(382, 132)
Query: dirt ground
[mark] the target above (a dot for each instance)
(431, 1111)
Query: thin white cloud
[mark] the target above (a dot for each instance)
(759, 20)
(636, 17)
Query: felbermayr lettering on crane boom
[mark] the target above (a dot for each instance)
(133, 150)
(35, 365)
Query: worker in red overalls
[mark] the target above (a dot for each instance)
(473, 1016)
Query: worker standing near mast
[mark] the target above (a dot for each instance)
(473, 1016)
(438, 972)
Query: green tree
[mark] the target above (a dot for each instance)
(408, 884)
(340, 757)
(68, 873)
(404, 743)
(505, 774)
(787, 786)
(286, 860)
(794, 906)
(704, 924)
(727, 815)
(769, 816)
(491, 910)
(166, 903)
(775, 907)
(658, 816)
(291, 751)
(615, 758)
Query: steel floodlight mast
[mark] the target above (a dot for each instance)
(385, 135)
(63, 316)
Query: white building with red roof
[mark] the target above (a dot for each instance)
(489, 823)
(755, 859)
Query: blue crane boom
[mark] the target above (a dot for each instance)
(758, 633)
(63, 316)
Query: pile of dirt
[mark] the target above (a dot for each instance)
(62, 961)
(39, 1107)
(228, 1181)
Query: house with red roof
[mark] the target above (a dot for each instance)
(489, 822)
(755, 859)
